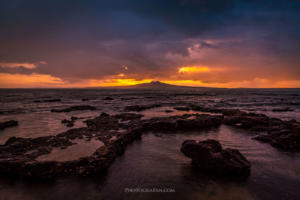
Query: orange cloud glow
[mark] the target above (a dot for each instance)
(193, 69)
(47, 81)
(32, 80)
(118, 82)
(15, 65)
(25, 64)
(255, 83)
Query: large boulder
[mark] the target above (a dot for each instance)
(209, 156)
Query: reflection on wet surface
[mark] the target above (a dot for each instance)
(166, 111)
(33, 125)
(82, 148)
(156, 162)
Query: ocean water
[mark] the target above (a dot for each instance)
(155, 161)
(36, 120)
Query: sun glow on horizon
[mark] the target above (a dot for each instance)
(120, 82)
(46, 81)
(193, 69)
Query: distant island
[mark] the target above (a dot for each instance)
(153, 85)
(156, 85)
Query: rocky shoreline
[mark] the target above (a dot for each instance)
(284, 135)
(19, 157)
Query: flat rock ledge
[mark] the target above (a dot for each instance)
(21, 157)
(210, 157)
(284, 135)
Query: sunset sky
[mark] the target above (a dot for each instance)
(89, 43)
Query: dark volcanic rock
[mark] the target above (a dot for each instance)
(108, 98)
(284, 135)
(249, 122)
(74, 118)
(282, 110)
(19, 156)
(186, 122)
(104, 121)
(161, 124)
(263, 138)
(74, 108)
(198, 122)
(128, 116)
(290, 142)
(284, 141)
(69, 123)
(47, 101)
(7, 124)
(138, 108)
(182, 108)
(209, 156)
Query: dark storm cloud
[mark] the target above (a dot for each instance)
(136, 16)
(92, 39)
